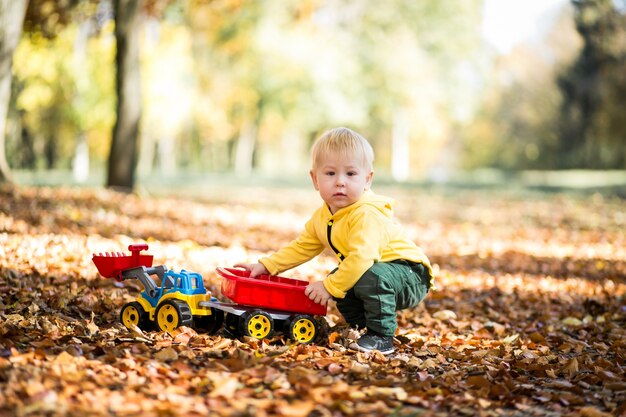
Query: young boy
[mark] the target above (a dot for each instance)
(380, 270)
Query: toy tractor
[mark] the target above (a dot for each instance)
(176, 300)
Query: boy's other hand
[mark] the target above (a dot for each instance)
(316, 292)
(254, 269)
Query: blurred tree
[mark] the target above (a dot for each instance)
(76, 96)
(275, 73)
(269, 76)
(45, 85)
(517, 124)
(230, 71)
(239, 85)
(49, 18)
(124, 145)
(593, 130)
(60, 88)
(44, 22)
(515, 127)
(414, 66)
(12, 14)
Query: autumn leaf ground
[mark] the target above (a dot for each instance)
(529, 318)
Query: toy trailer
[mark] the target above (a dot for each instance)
(267, 303)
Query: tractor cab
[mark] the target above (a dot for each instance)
(185, 282)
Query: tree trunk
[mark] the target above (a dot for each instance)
(12, 14)
(292, 151)
(167, 155)
(400, 156)
(80, 163)
(244, 153)
(124, 145)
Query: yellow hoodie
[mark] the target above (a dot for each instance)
(359, 234)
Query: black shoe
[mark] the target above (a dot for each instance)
(373, 341)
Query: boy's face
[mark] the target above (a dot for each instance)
(341, 181)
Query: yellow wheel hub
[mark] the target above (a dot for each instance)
(130, 316)
(303, 330)
(168, 318)
(259, 326)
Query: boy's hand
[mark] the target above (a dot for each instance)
(255, 269)
(316, 292)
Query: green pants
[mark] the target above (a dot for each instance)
(382, 290)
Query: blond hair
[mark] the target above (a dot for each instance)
(345, 142)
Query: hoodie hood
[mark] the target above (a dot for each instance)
(369, 198)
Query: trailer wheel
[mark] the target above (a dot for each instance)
(257, 324)
(303, 328)
(211, 323)
(134, 314)
(171, 314)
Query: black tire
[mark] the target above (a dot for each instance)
(133, 313)
(171, 314)
(257, 324)
(211, 324)
(302, 328)
(232, 325)
(323, 329)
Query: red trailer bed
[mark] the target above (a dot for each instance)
(268, 291)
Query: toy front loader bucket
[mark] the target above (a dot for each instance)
(111, 264)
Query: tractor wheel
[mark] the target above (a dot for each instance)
(211, 324)
(134, 314)
(302, 328)
(257, 324)
(232, 325)
(171, 314)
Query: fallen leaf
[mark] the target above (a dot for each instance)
(523, 321)
(510, 339)
(226, 388)
(590, 411)
(571, 369)
(572, 321)
(445, 315)
(167, 354)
